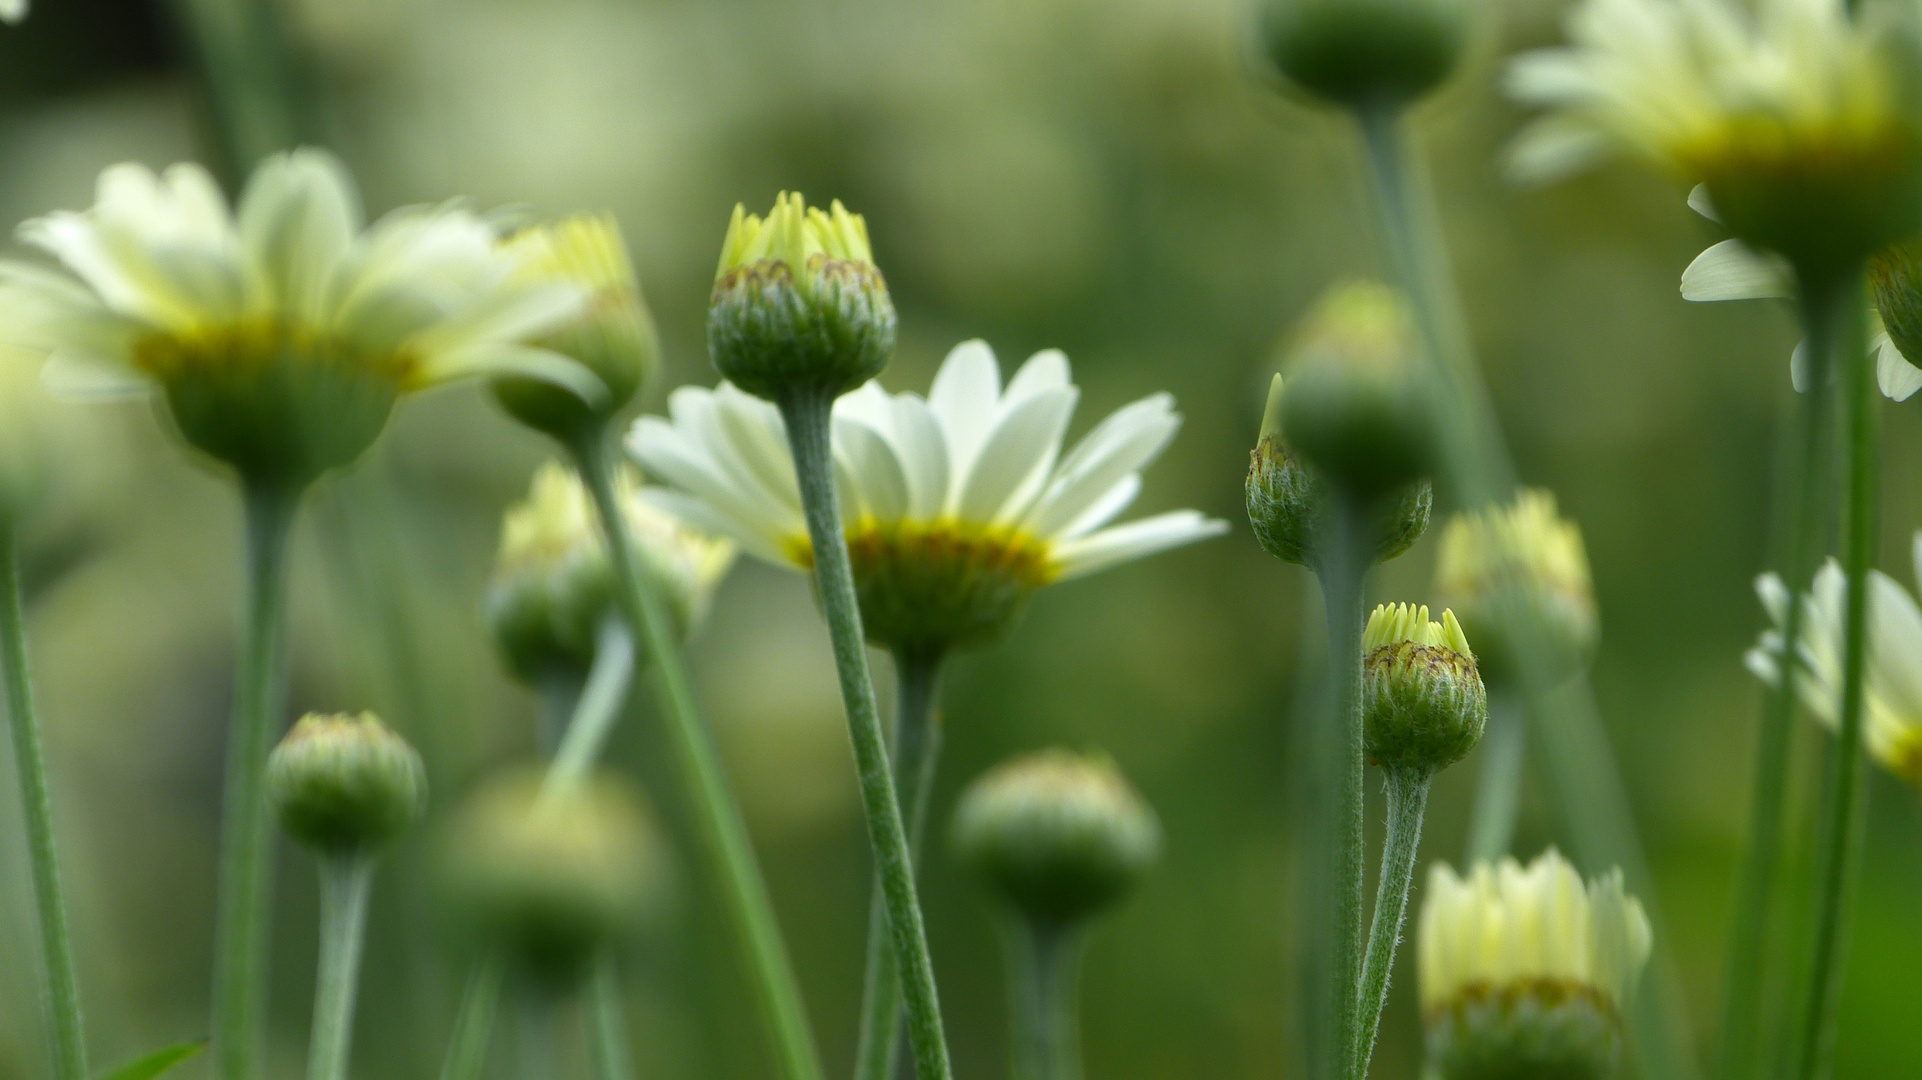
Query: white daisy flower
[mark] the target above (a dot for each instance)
(1731, 270)
(957, 506)
(280, 333)
(1893, 691)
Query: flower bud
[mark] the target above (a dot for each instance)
(1285, 499)
(1423, 704)
(1366, 53)
(1518, 575)
(553, 876)
(1059, 835)
(613, 337)
(553, 585)
(798, 303)
(343, 784)
(1353, 407)
(1525, 971)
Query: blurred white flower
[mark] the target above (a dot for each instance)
(1892, 704)
(957, 506)
(13, 10)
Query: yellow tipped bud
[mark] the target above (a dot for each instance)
(1519, 576)
(1423, 703)
(345, 783)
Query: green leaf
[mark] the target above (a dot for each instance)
(152, 1065)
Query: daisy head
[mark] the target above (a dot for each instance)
(1799, 116)
(613, 335)
(799, 306)
(957, 506)
(281, 333)
(1519, 576)
(1423, 703)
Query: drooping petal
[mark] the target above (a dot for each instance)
(1898, 378)
(1126, 441)
(1731, 270)
(1135, 540)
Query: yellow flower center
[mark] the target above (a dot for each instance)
(244, 348)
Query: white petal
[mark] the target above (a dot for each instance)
(457, 347)
(1799, 367)
(1699, 201)
(298, 218)
(1775, 595)
(664, 452)
(1125, 442)
(924, 455)
(1898, 378)
(869, 404)
(1731, 270)
(1045, 370)
(1895, 644)
(966, 398)
(703, 515)
(874, 469)
(527, 361)
(754, 431)
(1105, 509)
(1134, 540)
(1016, 458)
(1551, 149)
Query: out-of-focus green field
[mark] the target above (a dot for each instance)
(1108, 177)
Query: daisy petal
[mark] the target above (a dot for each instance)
(1135, 540)
(966, 399)
(1016, 457)
(1731, 270)
(1898, 378)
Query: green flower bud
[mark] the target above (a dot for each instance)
(614, 336)
(1895, 284)
(553, 585)
(1518, 575)
(1525, 971)
(798, 303)
(1366, 53)
(1353, 407)
(1285, 499)
(1059, 835)
(1423, 704)
(343, 784)
(552, 876)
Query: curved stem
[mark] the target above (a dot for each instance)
(344, 884)
(29, 760)
(1844, 811)
(807, 417)
(598, 708)
(479, 1002)
(1407, 799)
(725, 848)
(1346, 552)
(917, 743)
(607, 1023)
(1498, 792)
(1043, 964)
(1739, 1048)
(240, 983)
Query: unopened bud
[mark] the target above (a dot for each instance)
(1366, 53)
(1354, 408)
(1423, 704)
(345, 783)
(1518, 574)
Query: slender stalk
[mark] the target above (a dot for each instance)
(467, 1050)
(598, 708)
(607, 1024)
(1407, 799)
(1345, 557)
(807, 417)
(69, 1045)
(345, 881)
(240, 985)
(722, 834)
(1843, 812)
(1739, 1049)
(1043, 963)
(535, 1015)
(917, 743)
(1498, 791)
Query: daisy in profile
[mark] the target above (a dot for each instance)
(958, 506)
(1893, 701)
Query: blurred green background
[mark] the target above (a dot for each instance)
(1109, 177)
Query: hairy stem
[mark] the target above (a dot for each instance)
(30, 762)
(1498, 791)
(807, 417)
(240, 933)
(1844, 811)
(1346, 552)
(1407, 799)
(344, 884)
(917, 743)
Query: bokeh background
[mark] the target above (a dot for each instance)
(1108, 176)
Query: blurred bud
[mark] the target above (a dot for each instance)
(1525, 972)
(344, 784)
(1366, 53)
(798, 303)
(1895, 284)
(553, 876)
(1059, 835)
(613, 337)
(1353, 407)
(553, 585)
(1285, 499)
(1423, 704)
(1519, 577)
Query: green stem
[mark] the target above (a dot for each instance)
(598, 708)
(1498, 792)
(535, 1015)
(240, 984)
(29, 760)
(344, 884)
(1043, 963)
(1345, 557)
(807, 417)
(1843, 811)
(1407, 799)
(479, 1002)
(917, 743)
(607, 1023)
(1739, 1049)
(725, 847)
